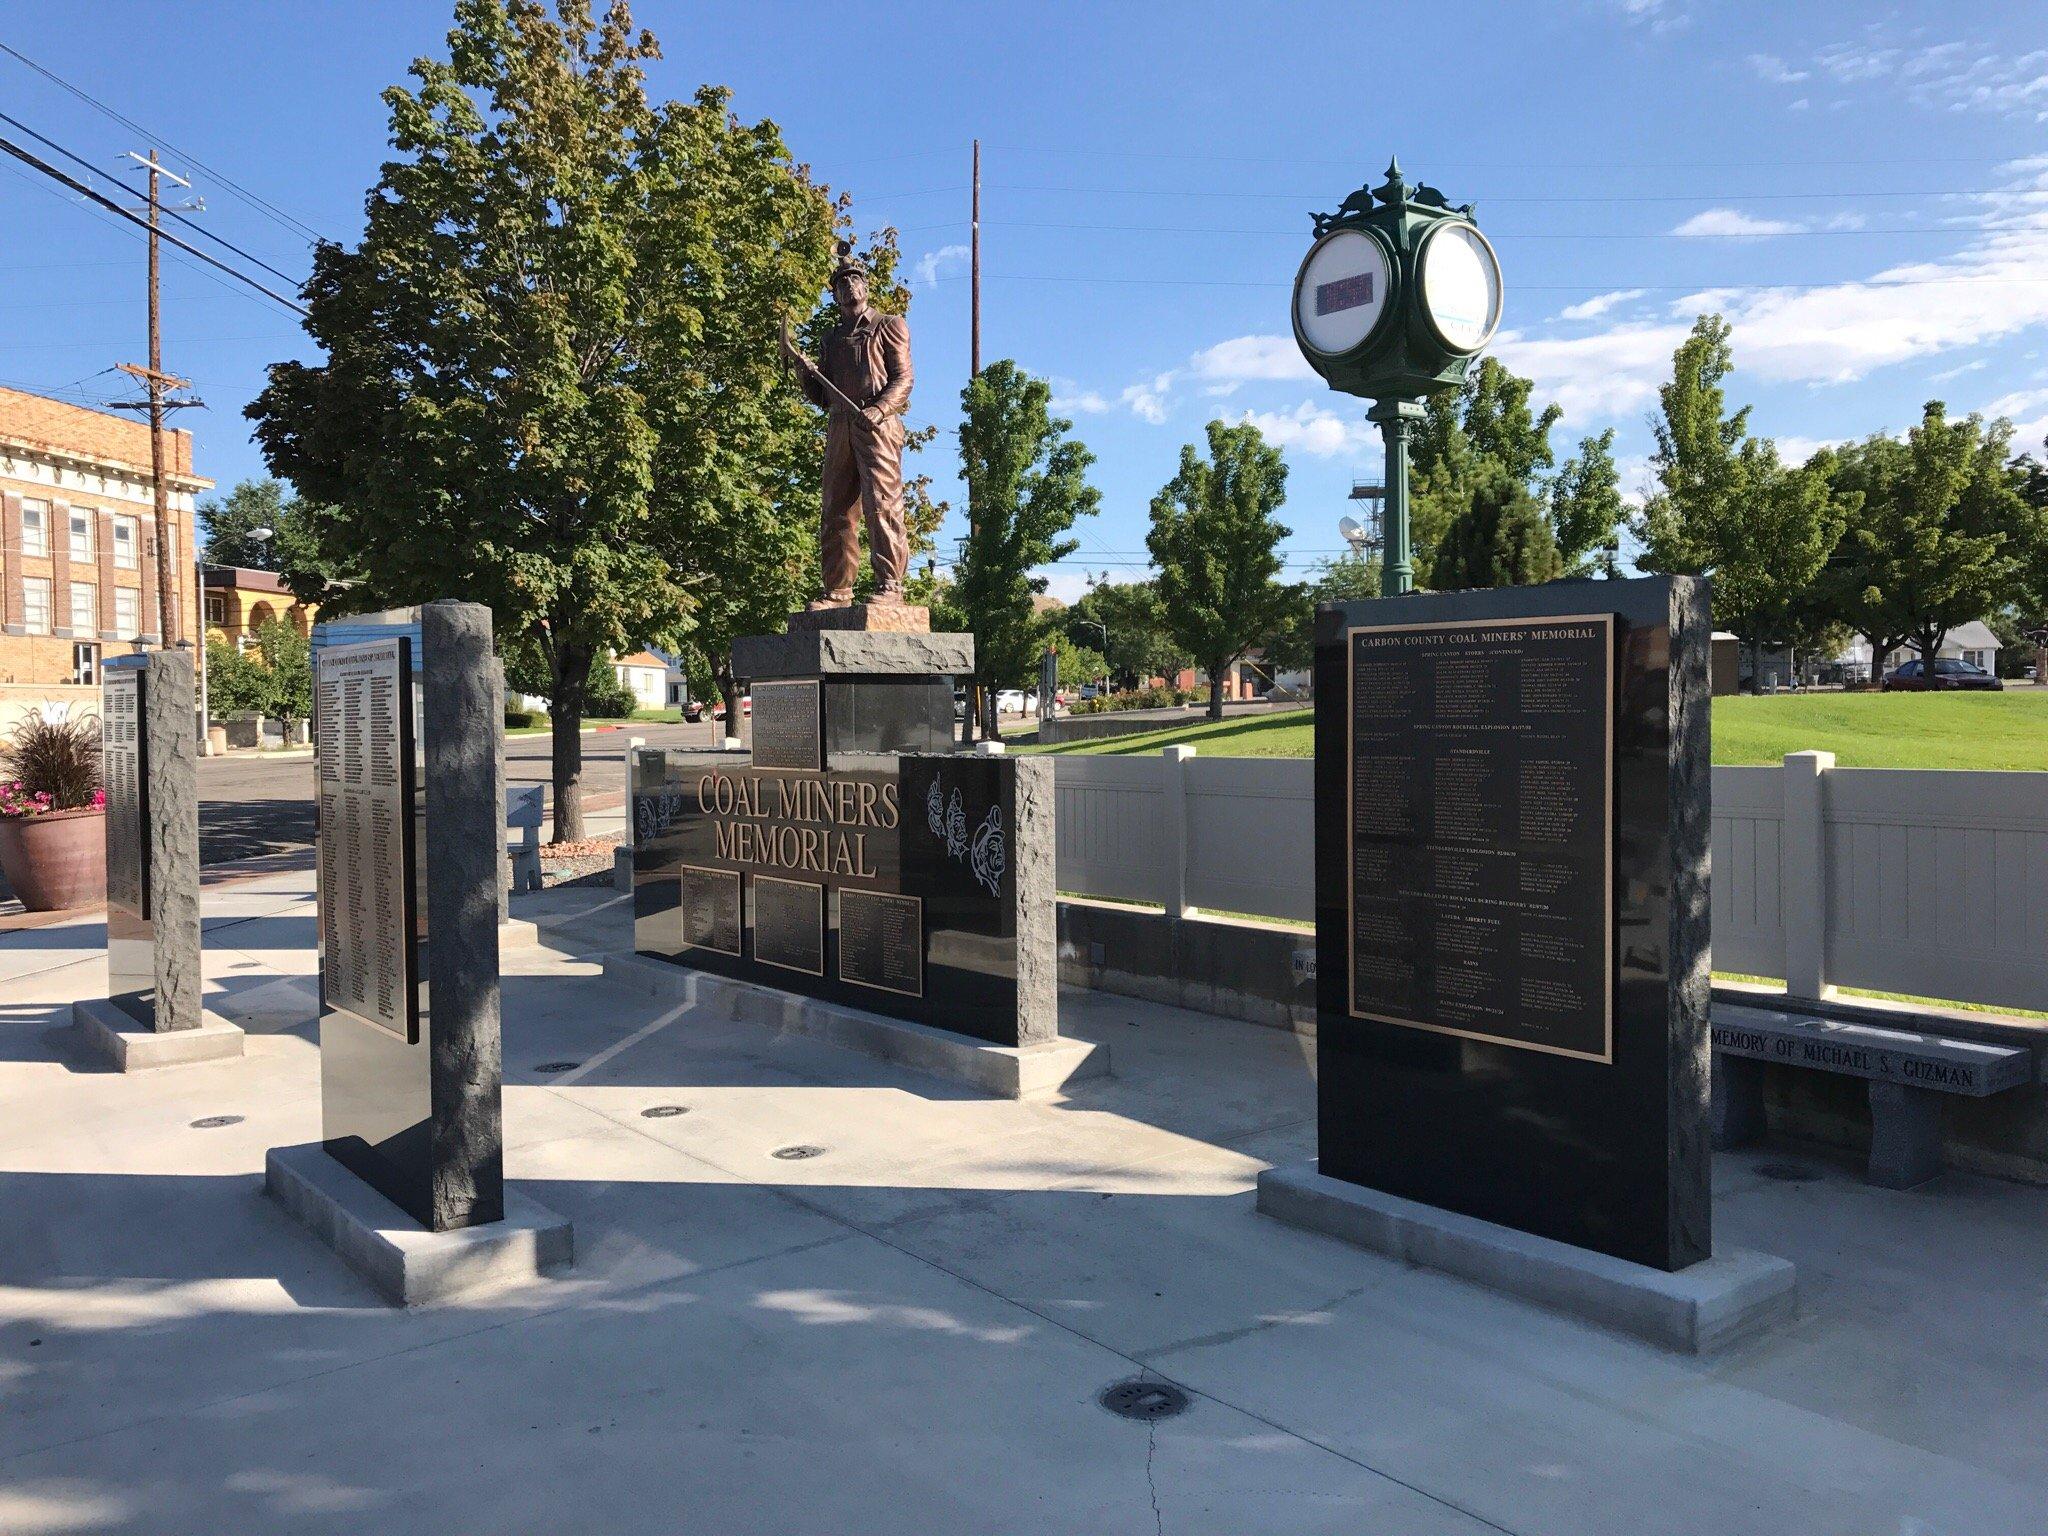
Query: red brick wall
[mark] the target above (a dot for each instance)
(75, 429)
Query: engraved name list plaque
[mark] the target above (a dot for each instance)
(369, 959)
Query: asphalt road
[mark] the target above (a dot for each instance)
(249, 805)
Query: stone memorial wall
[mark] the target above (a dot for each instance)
(1511, 913)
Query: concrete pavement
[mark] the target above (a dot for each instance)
(908, 1330)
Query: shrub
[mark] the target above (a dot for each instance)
(521, 719)
(607, 699)
(52, 764)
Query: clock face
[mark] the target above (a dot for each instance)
(1460, 286)
(1342, 291)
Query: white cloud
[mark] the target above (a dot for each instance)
(1734, 224)
(1956, 372)
(2015, 406)
(1599, 304)
(1797, 450)
(1315, 430)
(1771, 68)
(1945, 77)
(1802, 104)
(930, 262)
(1251, 357)
(1147, 399)
(1084, 402)
(1994, 287)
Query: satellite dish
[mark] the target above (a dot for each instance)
(1351, 528)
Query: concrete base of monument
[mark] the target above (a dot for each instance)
(1715, 1303)
(116, 1038)
(1005, 1072)
(405, 1262)
(518, 933)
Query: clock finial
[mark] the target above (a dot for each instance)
(1396, 189)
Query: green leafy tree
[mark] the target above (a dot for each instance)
(1727, 508)
(235, 681)
(479, 424)
(1215, 542)
(1126, 622)
(1586, 510)
(1500, 539)
(1078, 663)
(1468, 436)
(227, 525)
(1027, 482)
(1946, 534)
(1351, 577)
(287, 689)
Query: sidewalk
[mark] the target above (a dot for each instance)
(908, 1330)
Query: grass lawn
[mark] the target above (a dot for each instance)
(1863, 730)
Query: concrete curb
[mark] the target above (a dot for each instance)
(406, 1263)
(1695, 1311)
(116, 1038)
(1006, 1072)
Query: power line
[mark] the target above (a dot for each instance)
(36, 163)
(1309, 199)
(87, 166)
(297, 225)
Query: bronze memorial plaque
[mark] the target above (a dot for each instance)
(124, 768)
(709, 902)
(789, 924)
(881, 941)
(788, 728)
(1481, 883)
(363, 716)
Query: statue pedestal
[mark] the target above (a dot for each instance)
(851, 681)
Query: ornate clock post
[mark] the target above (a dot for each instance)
(1393, 301)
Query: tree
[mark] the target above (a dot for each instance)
(234, 681)
(1946, 536)
(1469, 435)
(1500, 539)
(1078, 663)
(1727, 508)
(1026, 484)
(1126, 622)
(1586, 510)
(1349, 578)
(226, 524)
(1214, 540)
(550, 382)
(287, 664)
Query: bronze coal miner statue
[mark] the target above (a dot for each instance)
(863, 382)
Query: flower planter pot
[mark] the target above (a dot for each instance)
(56, 860)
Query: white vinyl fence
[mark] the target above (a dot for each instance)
(1932, 883)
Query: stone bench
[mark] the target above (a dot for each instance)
(1908, 1071)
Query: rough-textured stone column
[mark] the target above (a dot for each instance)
(173, 833)
(464, 849)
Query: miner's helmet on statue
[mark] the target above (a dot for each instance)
(848, 265)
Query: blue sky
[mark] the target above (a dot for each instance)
(1864, 190)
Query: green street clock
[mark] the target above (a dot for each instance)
(1398, 294)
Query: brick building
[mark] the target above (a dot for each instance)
(79, 547)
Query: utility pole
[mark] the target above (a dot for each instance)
(974, 265)
(159, 385)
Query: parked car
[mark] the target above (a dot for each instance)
(1089, 691)
(693, 711)
(746, 707)
(1948, 673)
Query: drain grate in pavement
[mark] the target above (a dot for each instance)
(797, 1154)
(1143, 1400)
(215, 1122)
(664, 1111)
(553, 1067)
(1788, 1173)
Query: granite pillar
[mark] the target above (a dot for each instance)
(150, 764)
(410, 1068)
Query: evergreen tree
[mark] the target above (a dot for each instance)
(1500, 539)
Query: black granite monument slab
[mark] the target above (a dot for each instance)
(409, 831)
(1511, 908)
